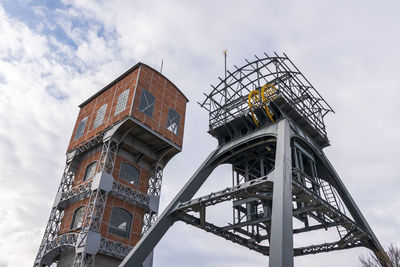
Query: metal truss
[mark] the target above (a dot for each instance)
(60, 242)
(355, 237)
(148, 220)
(155, 182)
(130, 194)
(154, 190)
(76, 193)
(229, 98)
(327, 247)
(114, 249)
(83, 260)
(95, 209)
(84, 190)
(254, 188)
(225, 234)
(56, 214)
(108, 155)
(330, 212)
(68, 239)
(96, 205)
(98, 139)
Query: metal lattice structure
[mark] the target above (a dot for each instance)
(54, 243)
(229, 98)
(109, 194)
(280, 173)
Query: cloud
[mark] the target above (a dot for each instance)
(55, 56)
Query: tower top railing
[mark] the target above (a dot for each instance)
(229, 99)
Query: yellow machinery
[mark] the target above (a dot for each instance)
(268, 93)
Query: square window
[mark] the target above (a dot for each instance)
(100, 116)
(81, 128)
(173, 121)
(146, 104)
(122, 100)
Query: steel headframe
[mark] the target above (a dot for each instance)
(279, 171)
(228, 99)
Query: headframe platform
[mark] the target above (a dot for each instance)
(269, 123)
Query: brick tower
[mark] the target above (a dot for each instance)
(109, 194)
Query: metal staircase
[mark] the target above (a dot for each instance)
(332, 198)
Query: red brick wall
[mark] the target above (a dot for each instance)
(110, 97)
(69, 214)
(166, 94)
(135, 211)
(136, 226)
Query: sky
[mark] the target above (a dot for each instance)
(56, 54)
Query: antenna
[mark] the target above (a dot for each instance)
(162, 63)
(225, 54)
(226, 90)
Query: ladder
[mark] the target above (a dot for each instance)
(332, 199)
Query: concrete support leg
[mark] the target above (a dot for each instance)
(281, 242)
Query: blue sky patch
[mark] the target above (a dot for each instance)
(56, 93)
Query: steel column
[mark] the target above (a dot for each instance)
(281, 243)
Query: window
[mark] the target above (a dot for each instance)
(100, 116)
(173, 121)
(90, 171)
(129, 173)
(146, 104)
(122, 100)
(81, 128)
(120, 222)
(77, 220)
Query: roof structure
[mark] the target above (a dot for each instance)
(228, 99)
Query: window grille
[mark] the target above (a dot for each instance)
(100, 116)
(81, 128)
(129, 173)
(77, 220)
(90, 171)
(146, 104)
(122, 100)
(173, 121)
(120, 222)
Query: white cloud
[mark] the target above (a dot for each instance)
(347, 50)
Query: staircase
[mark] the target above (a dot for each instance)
(333, 200)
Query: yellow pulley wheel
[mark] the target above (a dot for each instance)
(254, 102)
(268, 93)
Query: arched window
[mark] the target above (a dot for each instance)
(90, 171)
(120, 222)
(129, 173)
(77, 220)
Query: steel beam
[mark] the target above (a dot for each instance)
(239, 191)
(189, 219)
(150, 239)
(281, 242)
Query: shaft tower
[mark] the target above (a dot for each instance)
(110, 189)
(269, 123)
